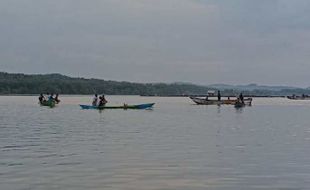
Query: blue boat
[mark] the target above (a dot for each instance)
(125, 106)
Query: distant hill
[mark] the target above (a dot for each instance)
(57, 83)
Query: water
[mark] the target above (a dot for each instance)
(177, 145)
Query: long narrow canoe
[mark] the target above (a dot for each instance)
(139, 106)
(48, 103)
(203, 101)
(299, 97)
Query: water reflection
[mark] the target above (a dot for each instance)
(218, 108)
(239, 109)
(101, 110)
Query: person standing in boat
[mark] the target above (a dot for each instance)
(95, 100)
(219, 95)
(241, 97)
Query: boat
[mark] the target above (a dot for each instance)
(50, 104)
(125, 106)
(203, 101)
(304, 97)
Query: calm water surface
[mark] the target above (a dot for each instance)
(177, 145)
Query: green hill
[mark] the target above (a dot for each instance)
(56, 83)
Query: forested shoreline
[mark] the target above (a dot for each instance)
(21, 84)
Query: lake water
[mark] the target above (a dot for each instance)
(177, 145)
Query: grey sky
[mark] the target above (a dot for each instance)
(198, 41)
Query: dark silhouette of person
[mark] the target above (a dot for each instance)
(241, 97)
(57, 98)
(102, 101)
(41, 98)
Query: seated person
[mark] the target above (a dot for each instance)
(95, 100)
(41, 98)
(57, 99)
(51, 98)
(102, 101)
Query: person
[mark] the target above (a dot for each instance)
(57, 99)
(51, 98)
(207, 98)
(95, 100)
(41, 98)
(241, 97)
(102, 101)
(239, 103)
(125, 106)
(218, 95)
(47, 96)
(238, 100)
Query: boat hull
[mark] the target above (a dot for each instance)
(139, 106)
(298, 97)
(201, 101)
(50, 104)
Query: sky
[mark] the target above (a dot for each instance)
(197, 41)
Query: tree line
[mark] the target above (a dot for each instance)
(56, 83)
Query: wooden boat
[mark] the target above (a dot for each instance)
(203, 101)
(50, 104)
(125, 106)
(306, 97)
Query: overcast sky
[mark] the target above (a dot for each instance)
(198, 41)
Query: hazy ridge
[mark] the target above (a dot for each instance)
(11, 83)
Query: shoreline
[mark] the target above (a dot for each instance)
(196, 95)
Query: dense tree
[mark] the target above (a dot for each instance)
(56, 83)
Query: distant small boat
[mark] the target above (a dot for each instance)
(306, 97)
(50, 104)
(203, 101)
(139, 106)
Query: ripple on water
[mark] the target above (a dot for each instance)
(177, 145)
